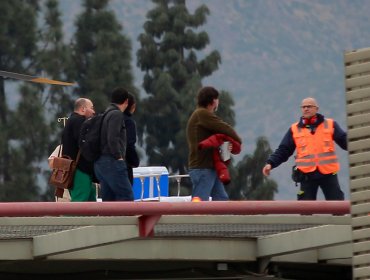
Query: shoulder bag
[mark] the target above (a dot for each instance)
(63, 172)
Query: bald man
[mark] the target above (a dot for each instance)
(313, 139)
(82, 189)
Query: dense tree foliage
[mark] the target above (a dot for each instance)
(170, 46)
(53, 59)
(172, 56)
(101, 54)
(31, 134)
(248, 182)
(18, 39)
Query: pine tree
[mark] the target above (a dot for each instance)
(224, 111)
(53, 59)
(248, 182)
(102, 54)
(17, 48)
(169, 51)
(30, 132)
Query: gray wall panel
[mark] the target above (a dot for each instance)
(357, 86)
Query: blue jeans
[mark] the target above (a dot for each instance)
(113, 178)
(206, 184)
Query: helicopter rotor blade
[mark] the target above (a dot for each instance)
(33, 79)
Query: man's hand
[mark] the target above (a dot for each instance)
(266, 170)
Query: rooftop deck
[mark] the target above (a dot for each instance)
(155, 240)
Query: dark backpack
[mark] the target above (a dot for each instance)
(89, 140)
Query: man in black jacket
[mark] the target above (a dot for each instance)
(82, 189)
(132, 159)
(111, 168)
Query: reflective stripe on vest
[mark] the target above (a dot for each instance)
(315, 151)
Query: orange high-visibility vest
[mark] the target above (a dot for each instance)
(316, 151)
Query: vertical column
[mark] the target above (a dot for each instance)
(357, 87)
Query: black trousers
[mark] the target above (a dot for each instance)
(329, 185)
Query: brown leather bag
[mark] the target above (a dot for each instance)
(64, 169)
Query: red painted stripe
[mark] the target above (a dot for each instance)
(37, 209)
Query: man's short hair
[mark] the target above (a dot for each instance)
(79, 103)
(206, 95)
(131, 102)
(119, 95)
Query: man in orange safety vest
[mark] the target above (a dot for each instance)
(313, 138)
